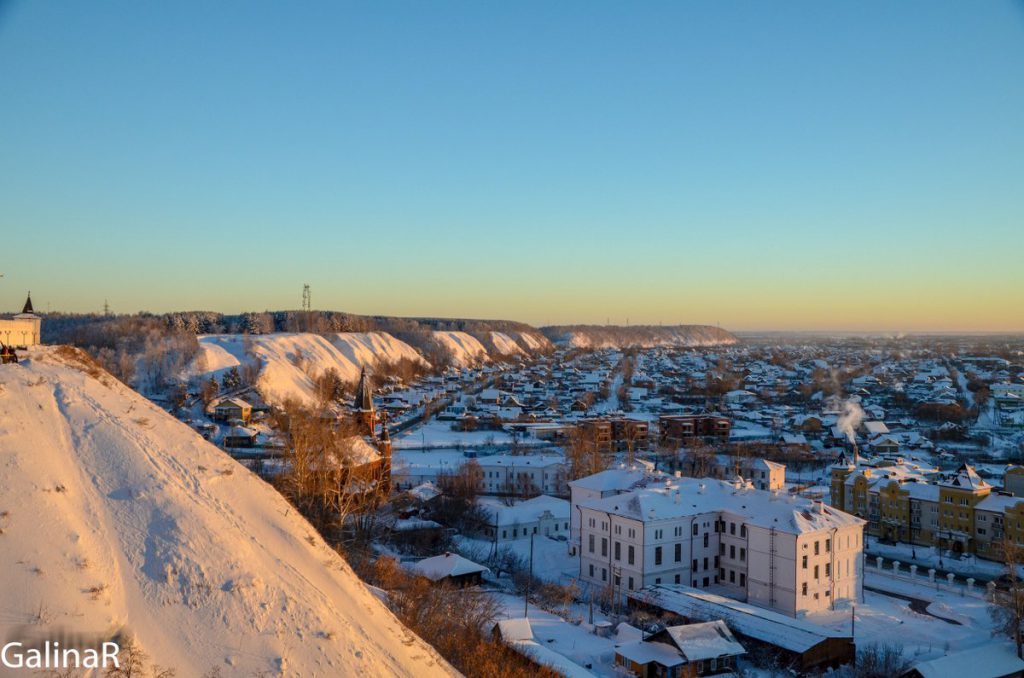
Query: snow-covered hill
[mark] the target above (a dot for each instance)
(646, 336)
(115, 514)
(464, 348)
(289, 362)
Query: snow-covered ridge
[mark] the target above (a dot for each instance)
(289, 362)
(644, 336)
(464, 348)
(115, 514)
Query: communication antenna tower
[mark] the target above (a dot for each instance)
(307, 298)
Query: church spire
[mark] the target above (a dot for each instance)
(364, 395)
(27, 310)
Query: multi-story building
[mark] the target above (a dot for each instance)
(676, 429)
(959, 512)
(781, 552)
(597, 486)
(764, 474)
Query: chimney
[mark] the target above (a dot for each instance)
(856, 454)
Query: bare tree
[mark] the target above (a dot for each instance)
(1008, 602)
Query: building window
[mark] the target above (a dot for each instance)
(732, 551)
(817, 549)
(604, 575)
(743, 531)
(604, 546)
(618, 550)
(743, 579)
(657, 554)
(695, 528)
(590, 540)
(630, 554)
(591, 569)
(815, 571)
(828, 569)
(630, 583)
(677, 578)
(732, 528)
(694, 568)
(732, 576)
(679, 552)
(803, 589)
(705, 540)
(828, 546)
(804, 563)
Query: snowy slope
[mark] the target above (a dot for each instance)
(465, 349)
(290, 361)
(600, 336)
(505, 345)
(534, 342)
(113, 513)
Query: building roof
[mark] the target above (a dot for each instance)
(446, 565)
(992, 660)
(527, 511)
(684, 497)
(364, 394)
(705, 640)
(27, 309)
(643, 652)
(613, 479)
(966, 478)
(795, 635)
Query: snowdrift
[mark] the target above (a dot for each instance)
(114, 514)
(644, 336)
(289, 362)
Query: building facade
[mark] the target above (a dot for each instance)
(782, 552)
(960, 512)
(24, 330)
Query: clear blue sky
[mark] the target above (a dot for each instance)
(770, 165)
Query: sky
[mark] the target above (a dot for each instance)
(760, 165)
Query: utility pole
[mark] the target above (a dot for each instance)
(529, 580)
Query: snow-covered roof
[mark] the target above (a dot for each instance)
(682, 497)
(706, 640)
(991, 660)
(515, 629)
(613, 479)
(446, 565)
(526, 511)
(796, 635)
(966, 478)
(643, 652)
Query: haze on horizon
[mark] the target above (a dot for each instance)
(765, 166)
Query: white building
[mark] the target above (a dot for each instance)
(510, 474)
(543, 516)
(597, 486)
(24, 329)
(782, 552)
